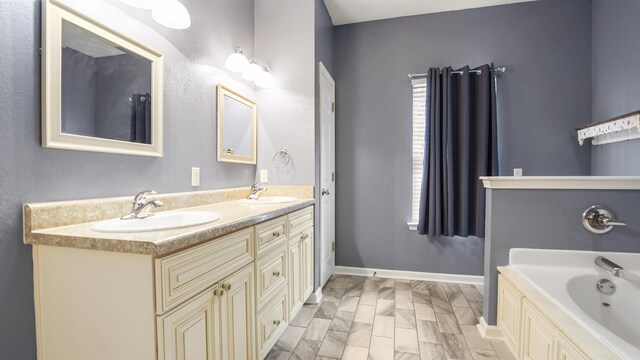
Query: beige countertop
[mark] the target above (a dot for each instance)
(235, 216)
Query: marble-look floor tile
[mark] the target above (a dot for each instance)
(342, 321)
(324, 358)
(406, 356)
(448, 324)
(406, 341)
(331, 295)
(305, 315)
(455, 295)
(387, 283)
(405, 319)
(484, 354)
(476, 306)
(326, 310)
(381, 348)
(441, 306)
(333, 344)
(365, 314)
(349, 303)
(340, 283)
(360, 334)
(369, 298)
(385, 307)
(421, 297)
(404, 299)
(502, 350)
(354, 289)
(306, 349)
(387, 293)
(455, 347)
(290, 338)
(473, 338)
(403, 284)
(424, 312)
(383, 326)
(430, 351)
(419, 285)
(428, 332)
(465, 315)
(276, 354)
(317, 329)
(471, 292)
(370, 285)
(355, 353)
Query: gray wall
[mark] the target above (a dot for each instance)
(544, 95)
(30, 173)
(616, 80)
(551, 219)
(324, 44)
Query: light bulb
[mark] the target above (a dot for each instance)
(251, 71)
(236, 61)
(265, 79)
(172, 14)
(141, 4)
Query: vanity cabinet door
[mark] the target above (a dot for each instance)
(192, 331)
(238, 313)
(295, 277)
(307, 263)
(566, 351)
(538, 336)
(509, 313)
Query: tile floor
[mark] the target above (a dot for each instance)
(372, 318)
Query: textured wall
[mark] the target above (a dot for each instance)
(551, 219)
(616, 80)
(543, 96)
(30, 173)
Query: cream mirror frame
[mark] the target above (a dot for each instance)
(237, 118)
(54, 16)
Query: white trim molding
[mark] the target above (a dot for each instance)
(562, 182)
(410, 275)
(487, 331)
(626, 127)
(315, 297)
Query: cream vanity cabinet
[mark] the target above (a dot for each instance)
(527, 332)
(228, 298)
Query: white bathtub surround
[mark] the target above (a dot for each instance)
(561, 286)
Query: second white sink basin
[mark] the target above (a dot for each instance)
(159, 221)
(267, 200)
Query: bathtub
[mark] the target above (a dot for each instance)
(568, 279)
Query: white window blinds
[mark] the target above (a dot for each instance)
(419, 87)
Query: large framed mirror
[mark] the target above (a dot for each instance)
(237, 127)
(102, 91)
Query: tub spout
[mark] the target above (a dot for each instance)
(615, 269)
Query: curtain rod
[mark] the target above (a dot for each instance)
(497, 69)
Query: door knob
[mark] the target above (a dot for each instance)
(325, 192)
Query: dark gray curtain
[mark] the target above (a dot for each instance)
(141, 118)
(460, 146)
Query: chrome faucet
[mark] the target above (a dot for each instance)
(615, 269)
(140, 208)
(256, 189)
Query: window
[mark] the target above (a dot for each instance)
(419, 87)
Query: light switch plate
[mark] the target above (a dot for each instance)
(517, 171)
(264, 175)
(195, 176)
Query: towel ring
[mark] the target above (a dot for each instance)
(281, 158)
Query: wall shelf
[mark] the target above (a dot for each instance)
(621, 128)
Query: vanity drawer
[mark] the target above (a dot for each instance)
(182, 275)
(270, 275)
(270, 235)
(271, 323)
(300, 220)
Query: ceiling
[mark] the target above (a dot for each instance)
(354, 11)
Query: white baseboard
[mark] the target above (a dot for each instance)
(410, 275)
(315, 297)
(489, 331)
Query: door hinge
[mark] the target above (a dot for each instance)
(333, 246)
(333, 176)
(333, 107)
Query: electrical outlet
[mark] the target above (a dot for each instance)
(264, 175)
(517, 171)
(195, 176)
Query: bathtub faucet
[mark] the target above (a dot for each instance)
(615, 269)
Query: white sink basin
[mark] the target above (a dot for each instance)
(159, 221)
(267, 200)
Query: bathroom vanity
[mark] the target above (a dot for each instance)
(221, 290)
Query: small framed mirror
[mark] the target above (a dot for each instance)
(237, 127)
(102, 91)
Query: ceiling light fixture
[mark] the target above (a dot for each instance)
(172, 14)
(141, 4)
(265, 79)
(236, 61)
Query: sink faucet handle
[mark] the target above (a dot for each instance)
(139, 199)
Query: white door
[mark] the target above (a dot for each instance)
(327, 174)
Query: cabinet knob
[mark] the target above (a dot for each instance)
(276, 322)
(226, 287)
(304, 236)
(276, 273)
(221, 292)
(276, 233)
